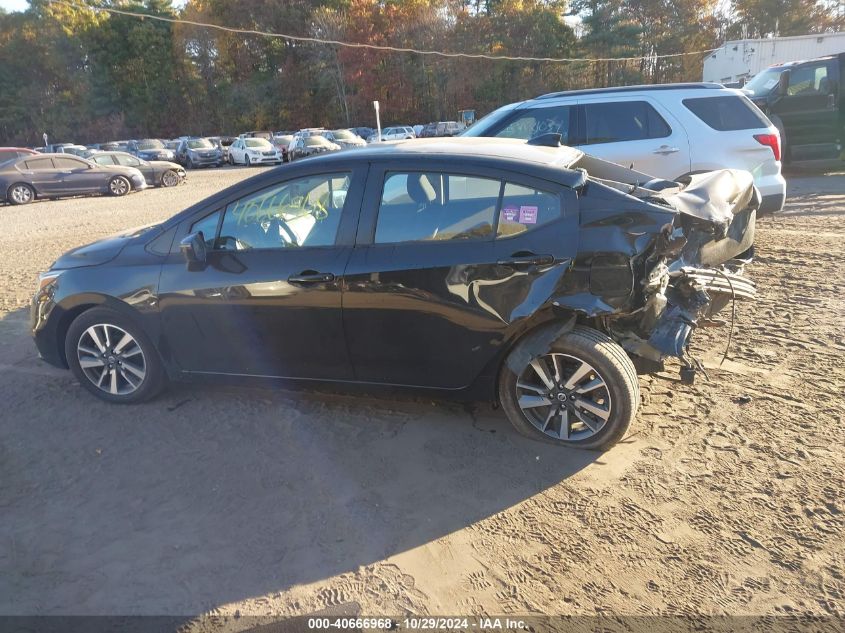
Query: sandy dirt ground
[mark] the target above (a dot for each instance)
(725, 498)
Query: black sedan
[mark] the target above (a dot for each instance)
(474, 268)
(157, 173)
(54, 175)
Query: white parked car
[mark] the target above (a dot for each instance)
(395, 133)
(668, 130)
(254, 151)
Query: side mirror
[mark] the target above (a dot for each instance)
(193, 250)
(783, 82)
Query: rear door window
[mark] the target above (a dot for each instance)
(432, 206)
(39, 164)
(727, 113)
(620, 121)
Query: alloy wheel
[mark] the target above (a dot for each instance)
(111, 359)
(564, 397)
(170, 179)
(119, 186)
(21, 194)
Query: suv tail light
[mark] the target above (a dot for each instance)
(770, 140)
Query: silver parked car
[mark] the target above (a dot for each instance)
(54, 175)
(157, 173)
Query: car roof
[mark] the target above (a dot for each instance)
(649, 88)
(510, 150)
(18, 149)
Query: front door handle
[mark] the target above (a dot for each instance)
(309, 277)
(527, 260)
(665, 149)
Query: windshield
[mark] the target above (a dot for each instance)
(491, 120)
(257, 142)
(200, 143)
(344, 135)
(150, 143)
(314, 141)
(764, 82)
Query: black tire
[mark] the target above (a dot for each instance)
(20, 193)
(599, 351)
(169, 178)
(190, 164)
(152, 382)
(247, 161)
(119, 186)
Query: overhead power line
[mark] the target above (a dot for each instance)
(376, 47)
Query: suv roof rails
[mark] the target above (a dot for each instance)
(590, 91)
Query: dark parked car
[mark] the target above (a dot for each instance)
(199, 152)
(363, 132)
(8, 153)
(804, 99)
(443, 128)
(473, 268)
(150, 149)
(303, 146)
(157, 173)
(54, 175)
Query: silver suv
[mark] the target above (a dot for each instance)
(668, 130)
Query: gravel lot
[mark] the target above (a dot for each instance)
(725, 498)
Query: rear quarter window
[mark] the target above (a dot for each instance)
(620, 121)
(727, 113)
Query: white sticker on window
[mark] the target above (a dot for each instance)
(510, 214)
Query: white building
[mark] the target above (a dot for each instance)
(742, 59)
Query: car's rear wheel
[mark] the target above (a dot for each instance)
(112, 357)
(119, 186)
(579, 390)
(20, 193)
(169, 178)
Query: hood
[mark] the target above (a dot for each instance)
(165, 164)
(123, 170)
(101, 251)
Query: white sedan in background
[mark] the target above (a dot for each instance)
(254, 151)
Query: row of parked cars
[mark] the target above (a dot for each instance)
(26, 175)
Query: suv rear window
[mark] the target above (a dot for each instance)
(618, 121)
(727, 113)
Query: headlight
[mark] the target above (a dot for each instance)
(45, 280)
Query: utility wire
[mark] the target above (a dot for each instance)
(377, 47)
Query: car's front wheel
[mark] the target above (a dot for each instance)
(169, 178)
(112, 357)
(119, 186)
(20, 193)
(579, 390)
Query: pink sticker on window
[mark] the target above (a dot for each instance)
(510, 214)
(528, 215)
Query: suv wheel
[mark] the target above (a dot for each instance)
(580, 391)
(112, 357)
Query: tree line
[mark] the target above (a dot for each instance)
(84, 75)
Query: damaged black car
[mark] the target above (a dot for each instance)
(529, 274)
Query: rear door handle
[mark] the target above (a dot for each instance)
(527, 260)
(665, 149)
(311, 278)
